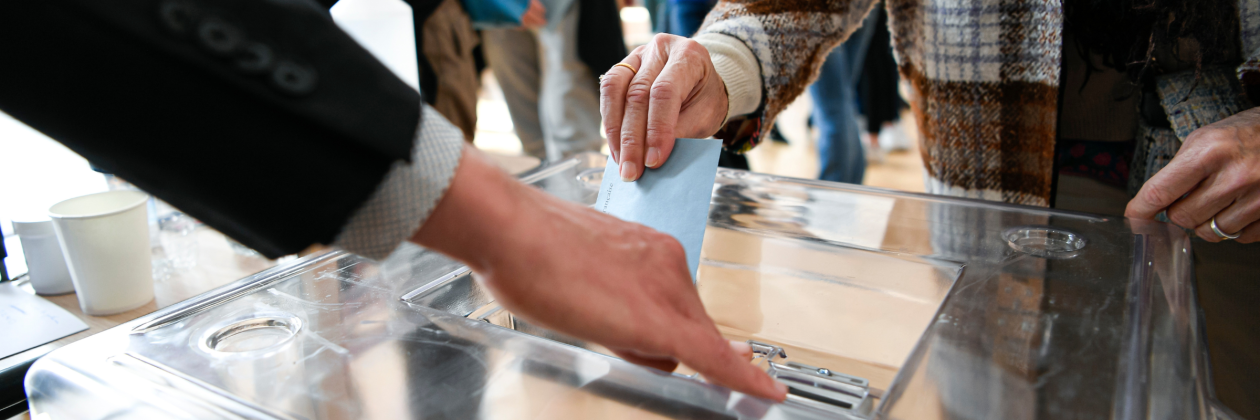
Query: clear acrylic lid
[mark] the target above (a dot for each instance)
(868, 303)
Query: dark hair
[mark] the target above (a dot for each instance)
(1127, 32)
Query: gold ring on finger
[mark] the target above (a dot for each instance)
(632, 69)
(1224, 236)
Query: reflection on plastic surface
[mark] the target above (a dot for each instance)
(1044, 241)
(873, 304)
(253, 333)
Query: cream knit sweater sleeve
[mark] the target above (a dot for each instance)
(767, 52)
(737, 67)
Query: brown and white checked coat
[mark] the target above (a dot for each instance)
(984, 72)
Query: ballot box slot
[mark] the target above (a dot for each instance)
(455, 292)
(816, 387)
(446, 279)
(819, 388)
(813, 386)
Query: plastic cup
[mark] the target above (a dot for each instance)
(45, 264)
(105, 238)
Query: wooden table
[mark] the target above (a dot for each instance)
(217, 264)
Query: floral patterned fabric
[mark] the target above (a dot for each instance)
(1103, 161)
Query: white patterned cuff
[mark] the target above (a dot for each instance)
(409, 192)
(737, 66)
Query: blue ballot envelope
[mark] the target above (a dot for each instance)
(673, 199)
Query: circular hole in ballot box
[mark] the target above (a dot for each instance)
(254, 333)
(1044, 241)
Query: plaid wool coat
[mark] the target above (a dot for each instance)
(985, 76)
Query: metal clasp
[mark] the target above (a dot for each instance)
(812, 386)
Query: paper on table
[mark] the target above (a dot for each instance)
(27, 321)
(672, 199)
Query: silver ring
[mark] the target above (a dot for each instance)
(1223, 235)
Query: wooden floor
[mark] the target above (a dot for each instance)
(899, 170)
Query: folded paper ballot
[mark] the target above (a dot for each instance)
(28, 321)
(672, 199)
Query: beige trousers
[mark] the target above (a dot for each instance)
(449, 40)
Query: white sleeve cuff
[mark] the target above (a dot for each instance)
(408, 193)
(737, 66)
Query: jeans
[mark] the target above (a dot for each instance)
(835, 101)
(552, 95)
(685, 17)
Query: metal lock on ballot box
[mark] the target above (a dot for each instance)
(866, 303)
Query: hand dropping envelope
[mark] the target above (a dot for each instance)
(672, 199)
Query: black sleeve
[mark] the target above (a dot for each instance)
(259, 117)
(600, 43)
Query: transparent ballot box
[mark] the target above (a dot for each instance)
(867, 303)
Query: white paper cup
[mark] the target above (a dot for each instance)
(105, 237)
(45, 264)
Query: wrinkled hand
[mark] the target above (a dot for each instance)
(1216, 173)
(675, 93)
(535, 15)
(581, 272)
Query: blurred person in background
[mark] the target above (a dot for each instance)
(841, 157)
(546, 74)
(445, 40)
(658, 10)
(879, 97)
(685, 16)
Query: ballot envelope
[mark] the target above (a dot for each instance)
(867, 303)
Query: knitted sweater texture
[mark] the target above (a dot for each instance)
(984, 75)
